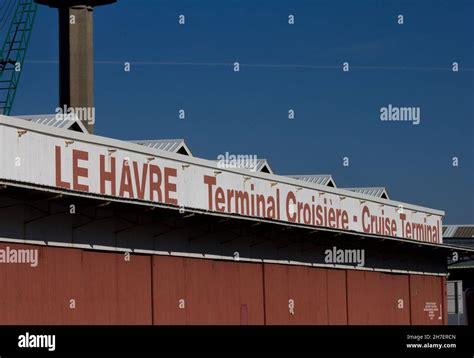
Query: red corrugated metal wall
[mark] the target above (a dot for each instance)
(396, 291)
(377, 298)
(427, 299)
(364, 297)
(337, 297)
(192, 291)
(71, 286)
(169, 287)
(35, 295)
(118, 289)
(295, 295)
(109, 289)
(444, 284)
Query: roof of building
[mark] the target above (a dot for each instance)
(69, 121)
(321, 179)
(460, 235)
(72, 122)
(458, 231)
(262, 166)
(379, 192)
(466, 264)
(178, 146)
(254, 165)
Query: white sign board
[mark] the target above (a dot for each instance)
(70, 164)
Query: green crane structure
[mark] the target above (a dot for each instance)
(14, 50)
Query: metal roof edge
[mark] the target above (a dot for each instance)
(81, 125)
(458, 225)
(329, 178)
(263, 162)
(267, 164)
(70, 123)
(366, 187)
(137, 148)
(181, 140)
(308, 175)
(370, 188)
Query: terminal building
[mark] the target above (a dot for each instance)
(95, 230)
(100, 231)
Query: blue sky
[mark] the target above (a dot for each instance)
(337, 113)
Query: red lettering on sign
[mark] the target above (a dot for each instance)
(107, 176)
(140, 184)
(365, 213)
(59, 182)
(126, 180)
(77, 171)
(170, 187)
(220, 199)
(210, 181)
(155, 183)
(291, 214)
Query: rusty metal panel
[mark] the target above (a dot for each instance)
(62, 272)
(396, 299)
(237, 293)
(224, 293)
(216, 293)
(308, 288)
(295, 295)
(377, 298)
(70, 286)
(445, 299)
(300, 292)
(357, 304)
(41, 294)
(365, 298)
(211, 292)
(198, 293)
(115, 291)
(251, 292)
(169, 290)
(427, 301)
(277, 294)
(134, 286)
(318, 283)
(337, 297)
